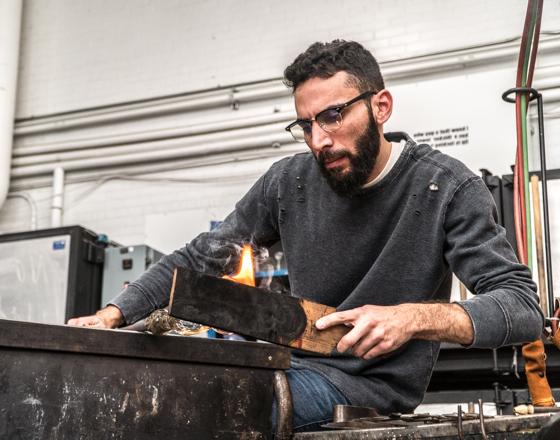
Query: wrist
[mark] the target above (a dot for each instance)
(438, 322)
(412, 319)
(111, 316)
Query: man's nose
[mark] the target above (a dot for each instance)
(319, 138)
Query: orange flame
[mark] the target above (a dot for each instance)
(246, 274)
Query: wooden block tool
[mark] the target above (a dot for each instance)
(248, 311)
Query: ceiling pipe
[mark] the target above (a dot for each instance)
(245, 134)
(273, 141)
(206, 163)
(456, 59)
(57, 200)
(32, 207)
(10, 27)
(460, 59)
(225, 98)
(201, 127)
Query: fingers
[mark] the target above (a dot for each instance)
(74, 321)
(378, 350)
(87, 321)
(369, 343)
(108, 317)
(352, 337)
(376, 330)
(336, 318)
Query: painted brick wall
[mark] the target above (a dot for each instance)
(81, 53)
(122, 209)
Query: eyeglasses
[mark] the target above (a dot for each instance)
(329, 119)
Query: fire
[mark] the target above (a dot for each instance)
(246, 273)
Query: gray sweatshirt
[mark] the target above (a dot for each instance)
(397, 242)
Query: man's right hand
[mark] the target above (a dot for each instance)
(109, 317)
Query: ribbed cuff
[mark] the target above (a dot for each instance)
(133, 304)
(490, 323)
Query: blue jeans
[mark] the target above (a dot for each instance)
(313, 398)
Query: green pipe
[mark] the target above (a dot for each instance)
(524, 104)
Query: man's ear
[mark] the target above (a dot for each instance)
(382, 105)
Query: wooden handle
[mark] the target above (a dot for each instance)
(462, 291)
(539, 242)
(312, 339)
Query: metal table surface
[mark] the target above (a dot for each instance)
(80, 383)
(497, 428)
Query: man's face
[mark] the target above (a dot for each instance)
(347, 156)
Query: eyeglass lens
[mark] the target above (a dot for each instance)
(329, 120)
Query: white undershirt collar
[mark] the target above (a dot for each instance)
(396, 150)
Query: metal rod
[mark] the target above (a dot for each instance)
(498, 398)
(546, 220)
(532, 95)
(32, 206)
(460, 423)
(481, 420)
(284, 427)
(495, 367)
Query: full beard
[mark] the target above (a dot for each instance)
(348, 182)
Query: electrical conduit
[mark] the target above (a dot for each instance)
(10, 27)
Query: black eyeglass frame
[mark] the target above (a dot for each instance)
(338, 108)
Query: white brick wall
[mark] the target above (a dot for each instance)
(83, 53)
(15, 214)
(79, 54)
(120, 208)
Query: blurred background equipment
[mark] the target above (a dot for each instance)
(50, 275)
(122, 265)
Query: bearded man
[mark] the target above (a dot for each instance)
(373, 224)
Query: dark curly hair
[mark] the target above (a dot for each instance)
(323, 60)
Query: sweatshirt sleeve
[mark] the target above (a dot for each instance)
(216, 252)
(505, 308)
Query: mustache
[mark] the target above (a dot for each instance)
(330, 156)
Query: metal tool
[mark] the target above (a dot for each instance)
(397, 420)
(345, 413)
(481, 420)
(285, 410)
(460, 423)
(249, 311)
(160, 322)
